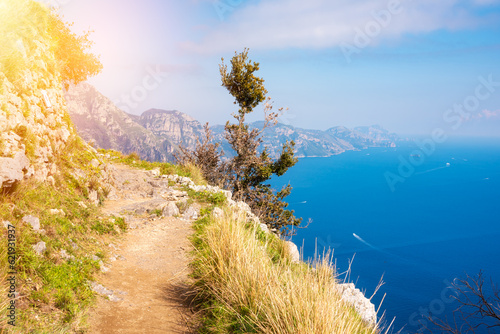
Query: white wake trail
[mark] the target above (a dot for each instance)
(366, 243)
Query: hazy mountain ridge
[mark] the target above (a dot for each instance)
(99, 121)
(316, 143)
(156, 134)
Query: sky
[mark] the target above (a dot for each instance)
(409, 66)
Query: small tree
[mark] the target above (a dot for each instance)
(248, 170)
(74, 61)
(247, 173)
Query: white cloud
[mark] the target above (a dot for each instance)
(279, 24)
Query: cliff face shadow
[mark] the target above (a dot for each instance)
(181, 296)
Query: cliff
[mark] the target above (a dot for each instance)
(155, 135)
(34, 122)
(100, 122)
(58, 236)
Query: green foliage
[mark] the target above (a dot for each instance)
(133, 160)
(207, 196)
(51, 282)
(159, 212)
(248, 172)
(206, 156)
(34, 37)
(247, 89)
(74, 62)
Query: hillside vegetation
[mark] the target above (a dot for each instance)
(247, 283)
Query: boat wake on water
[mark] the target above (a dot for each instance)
(434, 169)
(374, 247)
(366, 243)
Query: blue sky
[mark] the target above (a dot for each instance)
(403, 64)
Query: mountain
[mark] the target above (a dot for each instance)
(178, 127)
(316, 143)
(156, 134)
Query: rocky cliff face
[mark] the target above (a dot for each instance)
(100, 122)
(178, 127)
(34, 124)
(155, 135)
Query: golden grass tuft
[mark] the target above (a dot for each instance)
(194, 173)
(246, 283)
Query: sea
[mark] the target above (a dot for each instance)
(415, 217)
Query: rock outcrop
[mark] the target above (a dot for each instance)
(34, 124)
(356, 298)
(174, 125)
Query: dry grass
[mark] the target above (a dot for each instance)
(194, 173)
(247, 284)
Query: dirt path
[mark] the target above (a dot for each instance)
(144, 290)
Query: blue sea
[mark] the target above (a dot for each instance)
(438, 221)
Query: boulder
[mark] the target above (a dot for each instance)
(40, 248)
(33, 221)
(294, 251)
(12, 169)
(170, 209)
(357, 299)
(218, 213)
(193, 212)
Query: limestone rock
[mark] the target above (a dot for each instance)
(170, 209)
(357, 299)
(294, 251)
(264, 228)
(95, 163)
(40, 248)
(65, 254)
(93, 197)
(193, 212)
(218, 213)
(12, 169)
(6, 224)
(33, 221)
(57, 212)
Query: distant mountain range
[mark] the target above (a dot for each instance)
(156, 134)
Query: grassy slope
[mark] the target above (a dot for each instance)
(54, 292)
(246, 283)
